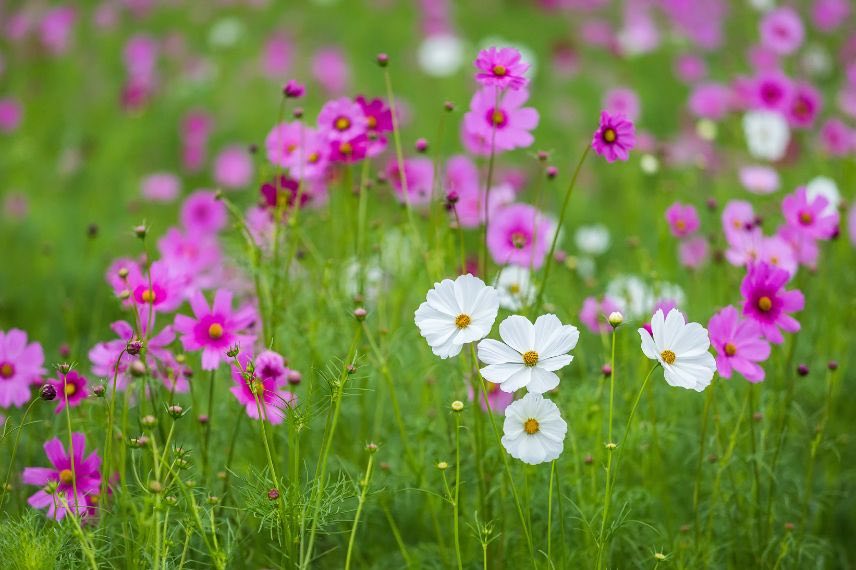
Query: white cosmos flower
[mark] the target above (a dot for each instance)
(455, 313)
(514, 286)
(534, 431)
(767, 134)
(441, 55)
(530, 354)
(633, 295)
(826, 187)
(593, 239)
(681, 348)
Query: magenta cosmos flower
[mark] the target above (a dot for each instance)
(349, 151)
(418, 177)
(809, 216)
(160, 187)
(342, 120)
(10, 115)
(782, 30)
(614, 138)
(203, 213)
(501, 122)
(739, 345)
(214, 329)
(66, 475)
(70, 387)
(378, 121)
(804, 107)
(594, 313)
(265, 381)
(520, 235)
(501, 68)
(158, 288)
(20, 365)
(683, 219)
(766, 302)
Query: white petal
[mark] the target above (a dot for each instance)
(516, 381)
(518, 333)
(542, 381)
(672, 328)
(554, 362)
(500, 373)
(494, 352)
(691, 341)
(648, 346)
(658, 322)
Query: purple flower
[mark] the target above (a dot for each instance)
(293, 89)
(501, 122)
(766, 302)
(268, 375)
(20, 366)
(614, 138)
(520, 235)
(739, 345)
(72, 386)
(203, 213)
(782, 30)
(501, 68)
(349, 151)
(683, 219)
(379, 121)
(809, 216)
(214, 329)
(342, 120)
(67, 475)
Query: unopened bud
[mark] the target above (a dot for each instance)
(273, 494)
(382, 59)
(457, 406)
(421, 145)
(552, 172)
(175, 411)
(134, 346)
(360, 314)
(371, 447)
(148, 421)
(99, 390)
(442, 466)
(615, 318)
(294, 377)
(47, 392)
(802, 370)
(140, 231)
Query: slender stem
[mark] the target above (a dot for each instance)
(550, 510)
(456, 505)
(488, 184)
(697, 486)
(108, 439)
(364, 483)
(548, 263)
(208, 423)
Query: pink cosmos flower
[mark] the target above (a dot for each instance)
(507, 125)
(195, 129)
(214, 329)
(349, 151)
(265, 382)
(693, 252)
(683, 219)
(622, 101)
(851, 224)
(313, 193)
(192, 256)
(140, 57)
(804, 248)
(804, 107)
(160, 187)
(276, 56)
(520, 235)
(293, 89)
(782, 30)
(496, 398)
(203, 213)
(828, 15)
(71, 387)
(418, 176)
(594, 313)
(68, 474)
(378, 121)
(614, 138)
(773, 90)
(160, 288)
(759, 179)
(738, 217)
(342, 120)
(470, 207)
(10, 115)
(836, 138)
(233, 168)
(710, 101)
(21, 364)
(766, 302)
(55, 29)
(810, 217)
(690, 68)
(739, 345)
(330, 69)
(501, 68)
(283, 142)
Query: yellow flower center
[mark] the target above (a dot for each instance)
(531, 426)
(518, 240)
(514, 288)
(530, 358)
(342, 123)
(70, 388)
(372, 122)
(498, 117)
(681, 225)
(66, 476)
(499, 70)
(730, 349)
(668, 356)
(149, 296)
(805, 218)
(462, 321)
(215, 331)
(346, 148)
(765, 303)
(313, 158)
(609, 135)
(6, 370)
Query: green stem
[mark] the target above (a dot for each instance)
(456, 505)
(362, 501)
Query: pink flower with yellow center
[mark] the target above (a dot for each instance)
(213, 329)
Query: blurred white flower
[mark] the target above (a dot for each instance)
(592, 239)
(534, 431)
(632, 294)
(514, 286)
(767, 134)
(370, 274)
(826, 187)
(649, 164)
(225, 32)
(441, 55)
(682, 349)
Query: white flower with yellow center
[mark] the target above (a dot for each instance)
(514, 286)
(456, 313)
(529, 355)
(681, 348)
(767, 134)
(533, 431)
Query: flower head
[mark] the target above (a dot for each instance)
(203, 213)
(810, 216)
(683, 219)
(529, 354)
(21, 364)
(501, 68)
(515, 288)
(614, 138)
(213, 329)
(260, 390)
(766, 301)
(342, 120)
(681, 348)
(533, 430)
(502, 123)
(767, 134)
(519, 234)
(417, 176)
(782, 30)
(70, 387)
(739, 345)
(456, 313)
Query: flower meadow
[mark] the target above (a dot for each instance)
(385, 284)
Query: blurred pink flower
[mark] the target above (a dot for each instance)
(782, 30)
(10, 115)
(233, 168)
(203, 213)
(160, 187)
(519, 234)
(330, 70)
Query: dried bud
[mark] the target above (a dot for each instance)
(452, 197)
(449, 106)
(137, 368)
(47, 392)
(382, 59)
(155, 487)
(212, 500)
(253, 148)
(457, 406)
(351, 369)
(832, 365)
(588, 459)
(92, 231)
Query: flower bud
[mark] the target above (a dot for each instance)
(802, 370)
(171, 500)
(351, 369)
(155, 487)
(832, 365)
(293, 89)
(371, 447)
(442, 466)
(64, 368)
(137, 368)
(273, 494)
(457, 406)
(233, 351)
(615, 318)
(140, 231)
(606, 370)
(294, 377)
(421, 145)
(134, 346)
(175, 411)
(203, 419)
(148, 421)
(382, 59)
(360, 314)
(552, 172)
(99, 390)
(47, 392)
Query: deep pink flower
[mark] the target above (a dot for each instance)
(214, 329)
(501, 68)
(759, 179)
(519, 234)
(203, 213)
(739, 345)
(233, 168)
(160, 288)
(293, 89)
(805, 105)
(836, 138)
(767, 302)
(693, 252)
(773, 90)
(594, 313)
(195, 129)
(10, 115)
(810, 217)
(828, 15)
(683, 219)
(68, 474)
(507, 125)
(342, 120)
(72, 386)
(710, 101)
(349, 151)
(21, 364)
(313, 193)
(378, 120)
(265, 383)
(418, 176)
(160, 187)
(614, 138)
(782, 30)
